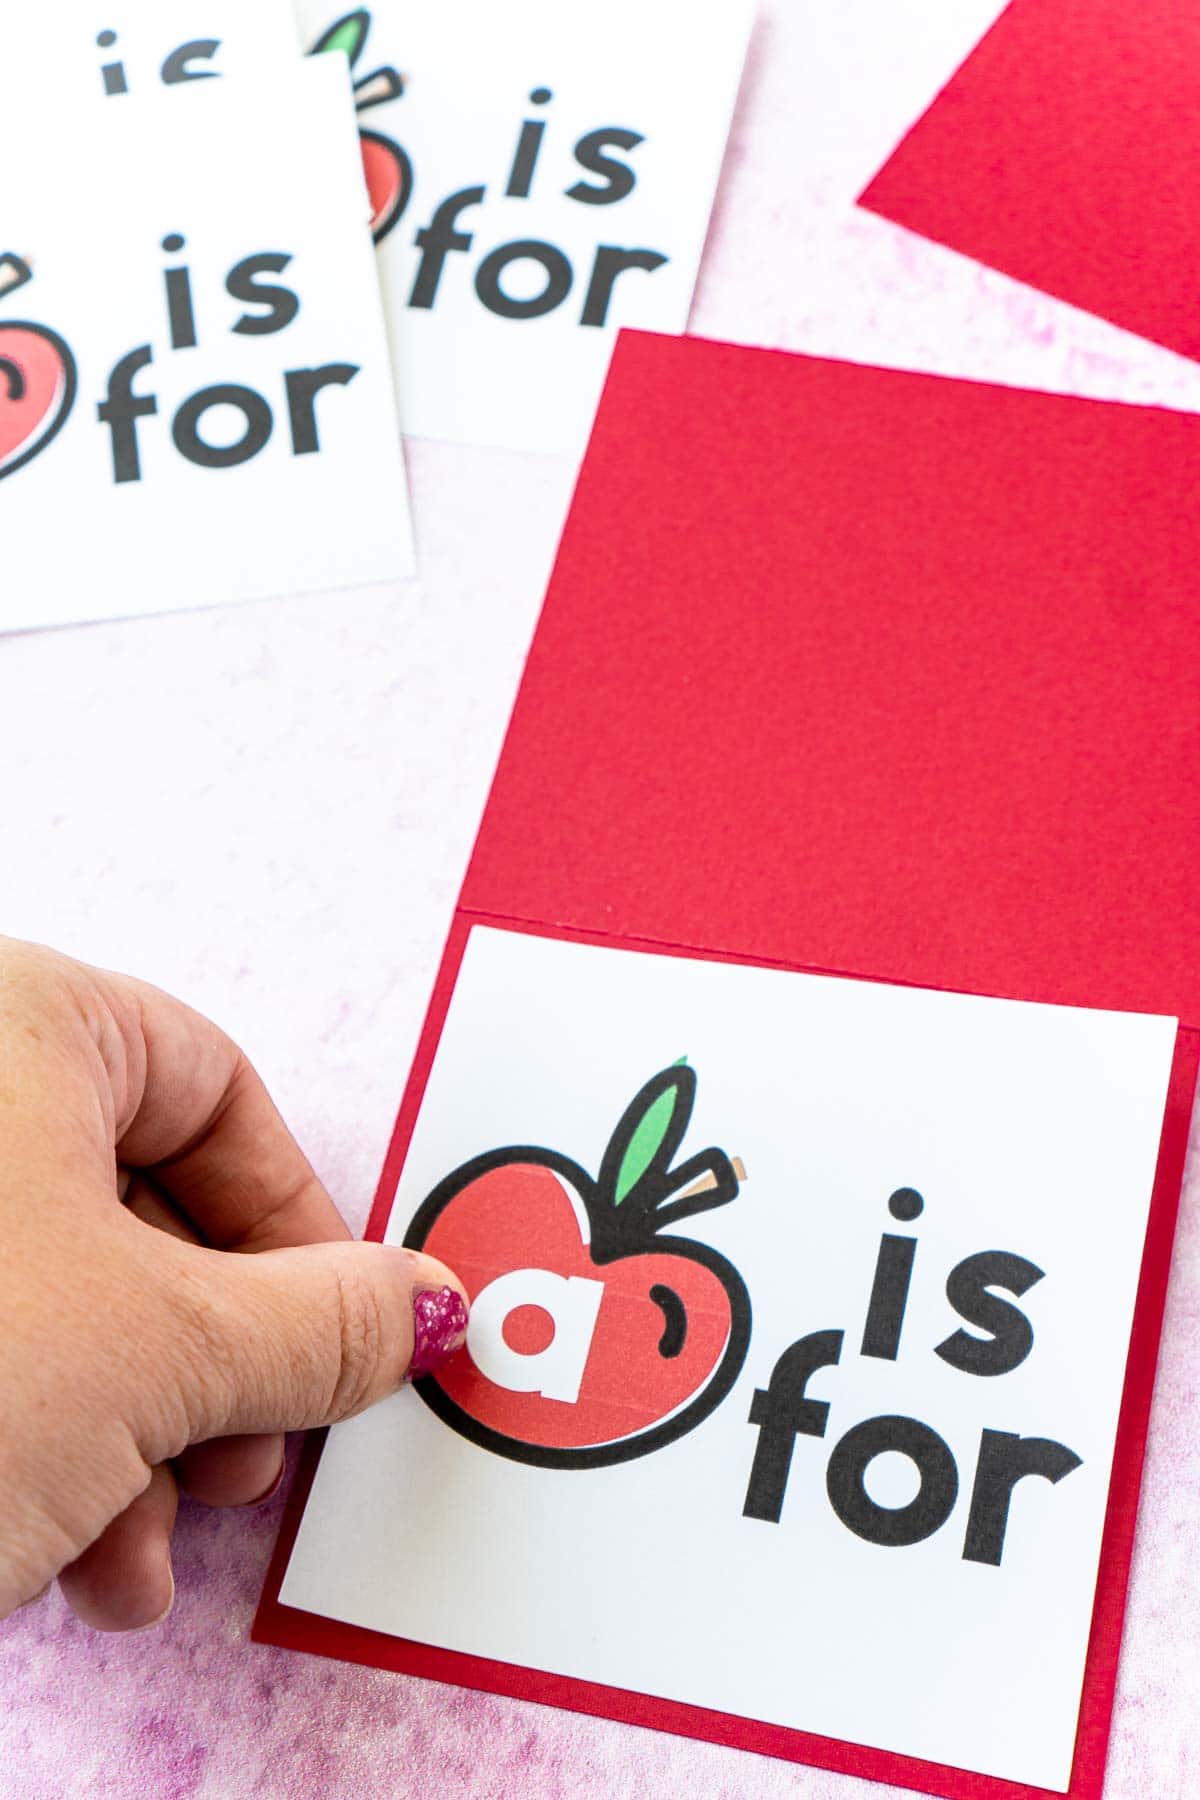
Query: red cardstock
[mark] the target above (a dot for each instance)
(1064, 152)
(873, 674)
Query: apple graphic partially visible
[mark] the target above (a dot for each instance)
(37, 378)
(389, 180)
(386, 166)
(654, 1328)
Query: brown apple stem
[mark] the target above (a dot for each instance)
(710, 1181)
(14, 272)
(384, 84)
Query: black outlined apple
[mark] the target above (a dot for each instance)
(38, 379)
(386, 166)
(668, 1318)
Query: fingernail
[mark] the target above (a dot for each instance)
(269, 1493)
(163, 1615)
(439, 1329)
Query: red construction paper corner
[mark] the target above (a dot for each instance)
(1064, 152)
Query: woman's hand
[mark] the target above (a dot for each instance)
(176, 1287)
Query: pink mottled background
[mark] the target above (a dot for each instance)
(268, 809)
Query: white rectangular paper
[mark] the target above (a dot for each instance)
(579, 148)
(196, 401)
(1027, 1129)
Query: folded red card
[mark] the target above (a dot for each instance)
(1064, 153)
(843, 673)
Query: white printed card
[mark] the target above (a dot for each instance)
(196, 401)
(539, 179)
(800, 1316)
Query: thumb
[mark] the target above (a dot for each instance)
(286, 1339)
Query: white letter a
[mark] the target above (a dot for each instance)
(555, 1372)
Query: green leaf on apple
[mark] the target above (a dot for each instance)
(647, 1139)
(348, 34)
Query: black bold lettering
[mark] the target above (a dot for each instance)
(893, 1526)
(282, 304)
(893, 1274)
(186, 427)
(529, 142)
(559, 276)
(178, 66)
(889, 1296)
(437, 239)
(181, 316)
(781, 1410)
(303, 386)
(1005, 1459)
(611, 262)
(1012, 1334)
(122, 408)
(113, 73)
(617, 177)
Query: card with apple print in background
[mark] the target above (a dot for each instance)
(93, 51)
(195, 394)
(536, 186)
(800, 1316)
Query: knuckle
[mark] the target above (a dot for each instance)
(37, 993)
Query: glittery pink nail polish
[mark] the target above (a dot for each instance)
(439, 1329)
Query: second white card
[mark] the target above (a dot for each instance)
(196, 400)
(538, 183)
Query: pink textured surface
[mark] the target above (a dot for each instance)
(269, 809)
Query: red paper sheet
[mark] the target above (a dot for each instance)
(876, 674)
(1064, 152)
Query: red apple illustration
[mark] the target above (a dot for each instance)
(386, 166)
(666, 1320)
(37, 379)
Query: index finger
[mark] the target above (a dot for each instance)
(196, 1115)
